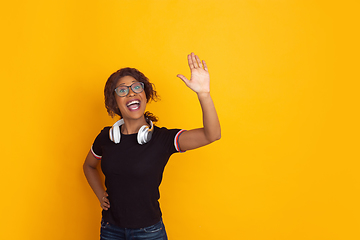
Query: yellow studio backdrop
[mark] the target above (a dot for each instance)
(287, 164)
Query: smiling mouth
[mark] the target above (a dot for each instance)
(133, 105)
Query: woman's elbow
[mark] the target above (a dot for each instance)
(218, 137)
(215, 137)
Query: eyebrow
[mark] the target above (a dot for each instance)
(121, 84)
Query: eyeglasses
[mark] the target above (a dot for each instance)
(136, 87)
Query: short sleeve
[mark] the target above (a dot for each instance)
(176, 141)
(96, 148)
(169, 139)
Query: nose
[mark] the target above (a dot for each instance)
(131, 92)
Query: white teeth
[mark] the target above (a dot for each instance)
(133, 102)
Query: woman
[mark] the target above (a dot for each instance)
(134, 152)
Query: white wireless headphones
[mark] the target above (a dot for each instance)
(143, 136)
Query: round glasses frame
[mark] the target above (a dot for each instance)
(123, 91)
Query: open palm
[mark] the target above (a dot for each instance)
(200, 78)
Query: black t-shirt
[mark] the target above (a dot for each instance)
(133, 173)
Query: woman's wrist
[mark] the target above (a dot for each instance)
(203, 95)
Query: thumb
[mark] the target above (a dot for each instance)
(183, 78)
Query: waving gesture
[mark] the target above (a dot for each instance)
(200, 83)
(200, 78)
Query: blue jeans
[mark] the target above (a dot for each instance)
(109, 231)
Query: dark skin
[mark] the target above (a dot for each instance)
(133, 120)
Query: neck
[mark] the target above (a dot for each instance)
(132, 126)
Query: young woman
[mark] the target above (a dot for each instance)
(134, 152)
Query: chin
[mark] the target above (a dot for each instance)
(134, 116)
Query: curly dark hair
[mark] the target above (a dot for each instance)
(109, 91)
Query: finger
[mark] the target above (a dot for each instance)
(105, 200)
(198, 61)
(190, 61)
(193, 58)
(183, 78)
(103, 206)
(205, 66)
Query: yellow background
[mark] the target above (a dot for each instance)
(287, 166)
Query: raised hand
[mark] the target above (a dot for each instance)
(200, 78)
(200, 83)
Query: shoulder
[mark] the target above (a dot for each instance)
(165, 131)
(160, 129)
(104, 131)
(103, 135)
(173, 133)
(168, 137)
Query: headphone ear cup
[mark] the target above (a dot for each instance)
(116, 134)
(142, 135)
(148, 135)
(145, 133)
(111, 134)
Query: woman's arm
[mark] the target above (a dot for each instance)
(200, 83)
(93, 178)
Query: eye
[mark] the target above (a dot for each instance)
(122, 90)
(137, 87)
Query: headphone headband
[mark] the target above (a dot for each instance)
(143, 136)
